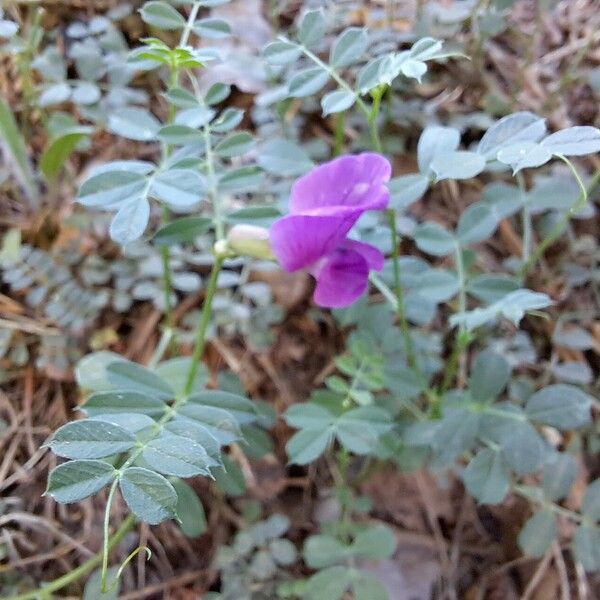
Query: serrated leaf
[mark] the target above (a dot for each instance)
(561, 405)
(90, 439)
(538, 533)
(77, 479)
(337, 101)
(148, 495)
(348, 47)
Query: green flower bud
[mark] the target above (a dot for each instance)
(250, 240)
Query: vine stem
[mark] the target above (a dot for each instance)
(105, 544)
(555, 232)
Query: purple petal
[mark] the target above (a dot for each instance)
(299, 241)
(371, 254)
(342, 278)
(356, 181)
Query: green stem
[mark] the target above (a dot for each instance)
(106, 542)
(400, 304)
(338, 143)
(560, 226)
(377, 94)
(525, 219)
(203, 325)
(79, 572)
(463, 337)
(185, 34)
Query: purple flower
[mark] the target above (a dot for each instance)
(325, 204)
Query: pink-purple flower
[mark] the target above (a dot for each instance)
(324, 206)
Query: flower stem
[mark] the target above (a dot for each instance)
(555, 232)
(338, 142)
(106, 542)
(525, 219)
(377, 94)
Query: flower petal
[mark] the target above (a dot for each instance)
(371, 254)
(357, 181)
(299, 241)
(342, 278)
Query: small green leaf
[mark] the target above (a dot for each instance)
(281, 52)
(218, 422)
(349, 47)
(558, 476)
(211, 28)
(457, 165)
(308, 444)
(179, 188)
(182, 230)
(590, 505)
(131, 221)
(243, 179)
(586, 545)
(375, 543)
(560, 405)
(537, 535)
(230, 479)
(312, 27)
(486, 477)
(111, 189)
(434, 239)
(476, 224)
(130, 376)
(337, 101)
(134, 124)
(407, 189)
(90, 439)
(162, 15)
(59, 150)
(307, 82)
(149, 495)
(328, 584)
(189, 509)
(240, 408)
(489, 375)
(102, 403)
(235, 144)
(171, 454)
(281, 157)
(75, 480)
(573, 141)
(323, 551)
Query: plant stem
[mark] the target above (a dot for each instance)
(338, 143)
(525, 219)
(559, 227)
(203, 325)
(79, 572)
(185, 34)
(377, 94)
(105, 545)
(463, 337)
(400, 304)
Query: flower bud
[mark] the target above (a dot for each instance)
(250, 240)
